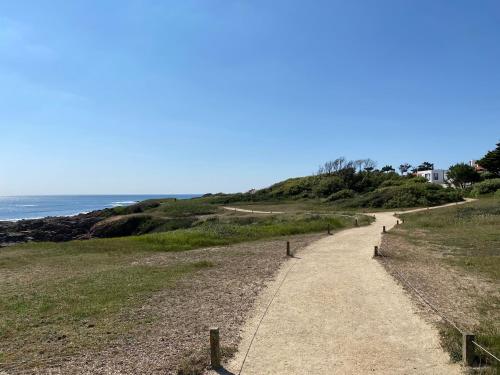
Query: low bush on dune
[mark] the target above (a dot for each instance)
(342, 194)
(136, 208)
(407, 195)
(486, 187)
(138, 224)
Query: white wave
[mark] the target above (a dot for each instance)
(22, 218)
(122, 203)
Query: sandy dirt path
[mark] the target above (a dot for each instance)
(252, 211)
(337, 311)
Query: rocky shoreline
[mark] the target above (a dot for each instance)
(57, 229)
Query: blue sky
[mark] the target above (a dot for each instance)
(210, 95)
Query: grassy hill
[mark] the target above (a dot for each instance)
(349, 189)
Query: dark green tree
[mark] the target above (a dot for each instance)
(404, 168)
(491, 161)
(460, 175)
(425, 166)
(388, 168)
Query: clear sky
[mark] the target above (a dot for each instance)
(198, 96)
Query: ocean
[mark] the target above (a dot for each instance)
(34, 207)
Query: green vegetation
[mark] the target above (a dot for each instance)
(78, 307)
(339, 184)
(409, 194)
(461, 175)
(156, 215)
(486, 187)
(491, 161)
(469, 235)
(58, 298)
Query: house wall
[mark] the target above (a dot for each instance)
(435, 176)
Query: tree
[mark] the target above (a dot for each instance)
(404, 168)
(369, 164)
(388, 169)
(460, 175)
(425, 166)
(491, 161)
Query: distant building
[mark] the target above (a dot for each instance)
(435, 176)
(477, 167)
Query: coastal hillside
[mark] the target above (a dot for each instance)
(338, 186)
(346, 187)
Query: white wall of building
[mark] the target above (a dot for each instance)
(435, 176)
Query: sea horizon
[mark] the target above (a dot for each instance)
(30, 207)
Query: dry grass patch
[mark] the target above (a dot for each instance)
(452, 255)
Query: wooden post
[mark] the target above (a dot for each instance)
(214, 347)
(329, 228)
(375, 251)
(288, 252)
(467, 349)
(397, 222)
(356, 222)
(383, 229)
(402, 220)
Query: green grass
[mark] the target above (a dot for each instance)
(184, 208)
(59, 298)
(85, 309)
(467, 237)
(470, 232)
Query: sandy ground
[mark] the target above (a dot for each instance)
(252, 211)
(337, 311)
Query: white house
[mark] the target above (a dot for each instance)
(436, 176)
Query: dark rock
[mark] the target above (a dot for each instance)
(50, 228)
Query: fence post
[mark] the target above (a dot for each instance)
(375, 251)
(329, 228)
(288, 252)
(214, 347)
(383, 229)
(356, 222)
(397, 222)
(467, 349)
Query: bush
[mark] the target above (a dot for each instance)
(328, 185)
(486, 187)
(136, 208)
(342, 194)
(392, 183)
(408, 195)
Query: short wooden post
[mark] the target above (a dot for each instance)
(383, 229)
(467, 349)
(402, 220)
(375, 251)
(397, 222)
(329, 228)
(288, 252)
(214, 347)
(356, 222)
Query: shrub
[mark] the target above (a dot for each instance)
(342, 194)
(328, 185)
(486, 187)
(136, 208)
(408, 195)
(392, 183)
